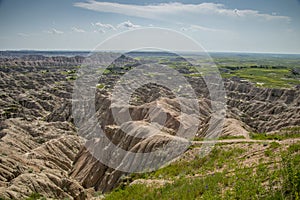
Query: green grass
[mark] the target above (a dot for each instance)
(71, 77)
(230, 137)
(258, 60)
(68, 72)
(282, 181)
(269, 152)
(244, 186)
(291, 171)
(216, 160)
(264, 77)
(274, 145)
(226, 137)
(294, 148)
(100, 86)
(35, 196)
(276, 136)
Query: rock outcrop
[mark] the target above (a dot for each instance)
(36, 157)
(140, 137)
(263, 109)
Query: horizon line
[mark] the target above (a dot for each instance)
(85, 50)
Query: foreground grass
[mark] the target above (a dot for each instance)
(286, 133)
(279, 180)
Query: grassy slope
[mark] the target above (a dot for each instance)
(230, 171)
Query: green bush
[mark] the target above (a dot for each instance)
(35, 196)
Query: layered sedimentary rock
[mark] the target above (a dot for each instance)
(90, 172)
(35, 157)
(42, 152)
(263, 109)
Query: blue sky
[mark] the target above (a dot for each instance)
(220, 25)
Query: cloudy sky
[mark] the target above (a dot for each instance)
(220, 25)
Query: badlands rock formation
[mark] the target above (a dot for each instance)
(42, 152)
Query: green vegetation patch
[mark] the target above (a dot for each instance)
(230, 137)
(266, 77)
(35, 196)
(261, 181)
(282, 135)
(217, 159)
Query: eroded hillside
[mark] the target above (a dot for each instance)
(42, 152)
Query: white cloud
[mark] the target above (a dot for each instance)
(201, 28)
(78, 30)
(55, 31)
(128, 24)
(104, 26)
(23, 35)
(160, 11)
(99, 31)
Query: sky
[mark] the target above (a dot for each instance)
(270, 26)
